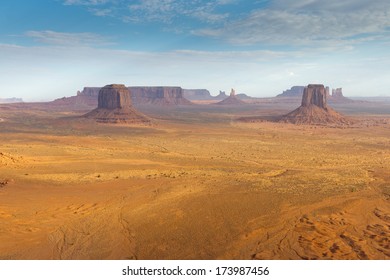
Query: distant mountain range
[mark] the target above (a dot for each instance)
(204, 94)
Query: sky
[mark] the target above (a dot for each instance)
(53, 48)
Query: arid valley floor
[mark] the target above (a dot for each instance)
(195, 184)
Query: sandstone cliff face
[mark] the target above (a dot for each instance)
(158, 96)
(115, 106)
(114, 97)
(314, 95)
(314, 109)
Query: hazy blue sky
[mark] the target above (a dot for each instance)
(52, 48)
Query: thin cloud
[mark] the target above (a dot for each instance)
(306, 22)
(168, 10)
(275, 22)
(86, 2)
(165, 11)
(345, 6)
(101, 12)
(67, 39)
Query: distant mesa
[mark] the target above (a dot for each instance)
(295, 91)
(89, 91)
(337, 93)
(87, 98)
(115, 106)
(143, 95)
(204, 94)
(314, 109)
(197, 94)
(11, 100)
(231, 100)
(243, 96)
(338, 97)
(158, 96)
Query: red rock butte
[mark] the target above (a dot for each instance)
(314, 95)
(114, 97)
(314, 109)
(115, 106)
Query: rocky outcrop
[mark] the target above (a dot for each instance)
(115, 106)
(231, 100)
(158, 96)
(314, 109)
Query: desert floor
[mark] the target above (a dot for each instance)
(196, 184)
